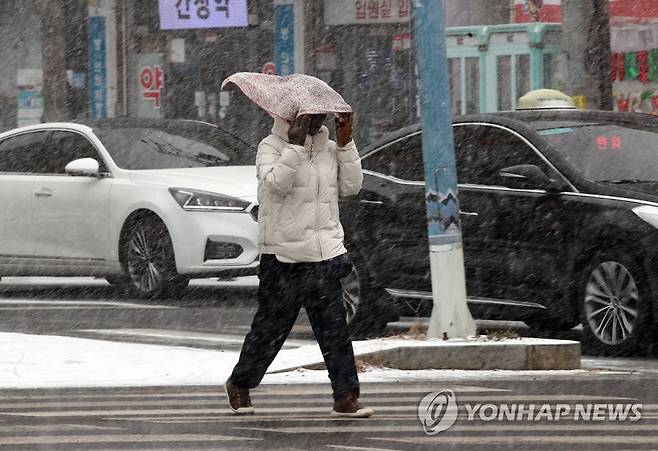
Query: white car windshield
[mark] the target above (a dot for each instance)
(143, 148)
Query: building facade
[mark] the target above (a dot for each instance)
(94, 59)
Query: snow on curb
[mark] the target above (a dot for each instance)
(49, 361)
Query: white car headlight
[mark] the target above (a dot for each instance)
(193, 200)
(648, 213)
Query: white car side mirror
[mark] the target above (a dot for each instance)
(86, 167)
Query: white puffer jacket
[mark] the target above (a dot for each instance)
(298, 189)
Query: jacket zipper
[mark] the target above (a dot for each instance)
(317, 206)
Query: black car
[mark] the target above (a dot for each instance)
(559, 213)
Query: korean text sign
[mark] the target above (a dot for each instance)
(151, 79)
(346, 12)
(97, 68)
(284, 39)
(187, 14)
(150, 85)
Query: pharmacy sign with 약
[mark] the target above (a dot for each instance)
(151, 79)
(150, 85)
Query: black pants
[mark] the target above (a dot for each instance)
(284, 288)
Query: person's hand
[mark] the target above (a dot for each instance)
(343, 129)
(299, 129)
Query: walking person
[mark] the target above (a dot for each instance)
(301, 173)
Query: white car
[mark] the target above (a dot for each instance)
(148, 204)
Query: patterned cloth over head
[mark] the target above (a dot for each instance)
(289, 96)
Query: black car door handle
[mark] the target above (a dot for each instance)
(371, 202)
(468, 213)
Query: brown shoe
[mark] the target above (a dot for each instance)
(238, 399)
(349, 406)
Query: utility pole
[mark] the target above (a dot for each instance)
(586, 52)
(450, 315)
(55, 90)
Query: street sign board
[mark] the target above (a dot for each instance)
(284, 38)
(189, 14)
(97, 68)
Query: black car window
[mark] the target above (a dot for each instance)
(482, 151)
(64, 147)
(402, 159)
(22, 153)
(607, 152)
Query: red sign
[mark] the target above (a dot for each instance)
(633, 11)
(269, 68)
(538, 11)
(374, 10)
(151, 79)
(621, 11)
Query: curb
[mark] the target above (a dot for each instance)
(534, 354)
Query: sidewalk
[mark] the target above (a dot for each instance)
(48, 361)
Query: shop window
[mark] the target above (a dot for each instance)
(472, 81)
(551, 71)
(523, 75)
(454, 65)
(504, 70)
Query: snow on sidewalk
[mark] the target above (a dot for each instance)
(50, 361)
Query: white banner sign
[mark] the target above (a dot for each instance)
(347, 12)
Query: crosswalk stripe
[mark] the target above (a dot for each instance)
(67, 307)
(36, 428)
(145, 419)
(609, 427)
(367, 389)
(283, 409)
(525, 440)
(220, 400)
(220, 411)
(312, 417)
(265, 390)
(358, 448)
(129, 438)
(316, 416)
(80, 304)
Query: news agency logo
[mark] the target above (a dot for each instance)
(438, 412)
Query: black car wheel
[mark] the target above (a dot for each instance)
(149, 261)
(616, 306)
(364, 306)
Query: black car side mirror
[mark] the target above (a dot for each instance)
(529, 176)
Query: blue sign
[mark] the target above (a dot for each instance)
(284, 39)
(97, 68)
